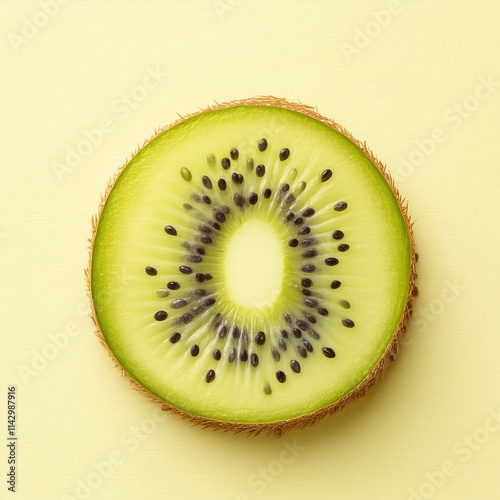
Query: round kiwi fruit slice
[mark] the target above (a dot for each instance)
(252, 266)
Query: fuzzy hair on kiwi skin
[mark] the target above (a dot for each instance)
(277, 428)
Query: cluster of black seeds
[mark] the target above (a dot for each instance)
(194, 297)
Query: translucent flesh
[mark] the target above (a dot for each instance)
(150, 194)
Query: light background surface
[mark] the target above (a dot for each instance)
(426, 78)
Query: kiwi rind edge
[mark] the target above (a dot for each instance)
(276, 428)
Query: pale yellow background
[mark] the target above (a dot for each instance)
(433, 410)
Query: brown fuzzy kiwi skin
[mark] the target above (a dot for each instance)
(276, 428)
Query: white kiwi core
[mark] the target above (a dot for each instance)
(254, 265)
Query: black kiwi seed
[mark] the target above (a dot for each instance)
(204, 238)
(185, 269)
(308, 345)
(325, 175)
(328, 352)
(171, 230)
(280, 376)
(296, 333)
(178, 303)
(238, 200)
(304, 230)
(302, 324)
(308, 212)
(306, 292)
(293, 243)
(205, 229)
(276, 354)
(284, 154)
(284, 334)
(335, 284)
(206, 199)
(215, 225)
(295, 366)
(200, 292)
(308, 254)
(151, 271)
(223, 332)
(232, 355)
(298, 221)
(195, 350)
(235, 332)
(175, 337)
(210, 376)
(306, 282)
(225, 209)
(267, 193)
(161, 315)
(285, 187)
(237, 178)
(260, 338)
(343, 247)
(200, 250)
(209, 302)
(309, 268)
(253, 198)
(186, 318)
(219, 215)
(287, 318)
(217, 354)
(314, 334)
(301, 351)
(197, 309)
(226, 163)
(173, 285)
(341, 205)
(234, 153)
(194, 258)
(262, 144)
(348, 323)
(331, 261)
(307, 242)
(244, 355)
(254, 359)
(208, 276)
(289, 199)
(309, 317)
(288, 216)
(260, 170)
(222, 184)
(206, 182)
(282, 344)
(323, 311)
(337, 235)
(310, 302)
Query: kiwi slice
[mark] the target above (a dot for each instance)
(252, 266)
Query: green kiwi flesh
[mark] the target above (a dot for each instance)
(251, 266)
